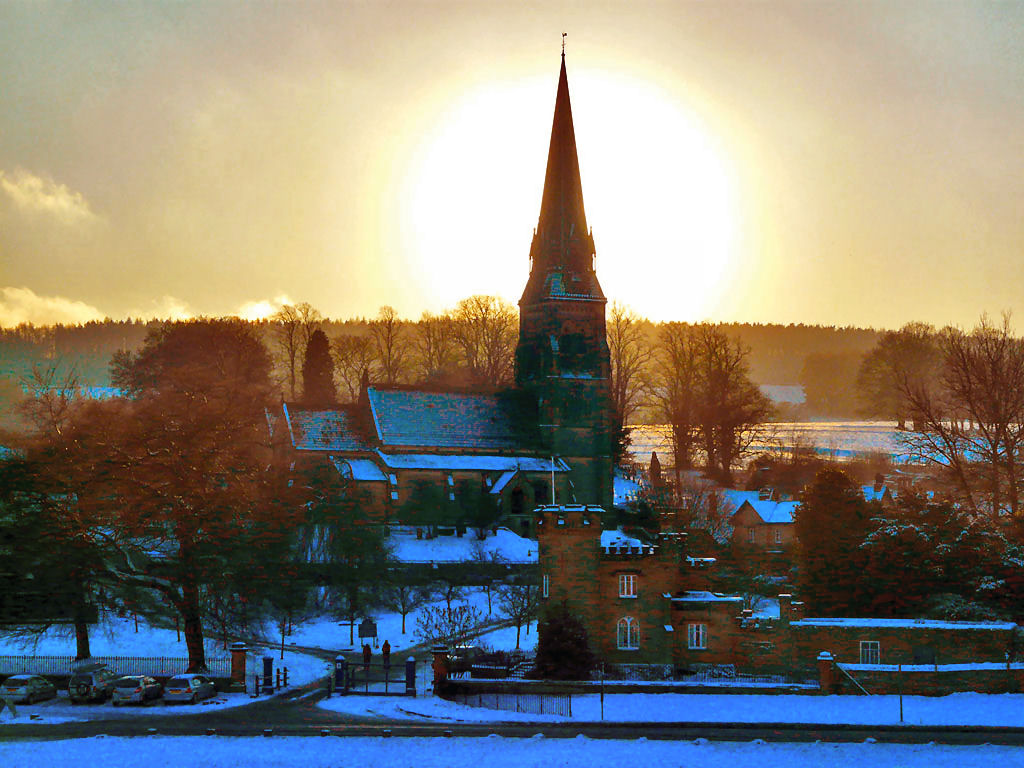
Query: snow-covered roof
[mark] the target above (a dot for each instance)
(616, 538)
(446, 420)
(624, 489)
(504, 480)
(359, 469)
(873, 494)
(772, 511)
(331, 429)
(736, 498)
(470, 462)
(703, 596)
(1002, 626)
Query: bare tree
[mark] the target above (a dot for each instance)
(675, 393)
(451, 627)
(53, 392)
(293, 327)
(434, 344)
(909, 356)
(519, 602)
(353, 355)
(630, 355)
(970, 418)
(486, 332)
(405, 598)
(392, 346)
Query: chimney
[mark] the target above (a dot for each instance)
(879, 482)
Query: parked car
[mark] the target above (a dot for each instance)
(28, 689)
(135, 688)
(191, 688)
(94, 682)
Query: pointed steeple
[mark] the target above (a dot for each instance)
(562, 253)
(561, 208)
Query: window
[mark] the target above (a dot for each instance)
(393, 479)
(870, 652)
(750, 533)
(451, 496)
(451, 480)
(627, 585)
(546, 585)
(394, 495)
(778, 536)
(628, 634)
(697, 637)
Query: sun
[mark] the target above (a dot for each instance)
(659, 194)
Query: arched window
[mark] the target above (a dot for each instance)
(628, 634)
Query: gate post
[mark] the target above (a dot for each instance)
(341, 674)
(268, 674)
(410, 676)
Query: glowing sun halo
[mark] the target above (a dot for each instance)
(658, 194)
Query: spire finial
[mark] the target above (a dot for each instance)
(563, 43)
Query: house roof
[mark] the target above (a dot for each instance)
(359, 469)
(871, 494)
(410, 418)
(333, 429)
(771, 511)
(904, 624)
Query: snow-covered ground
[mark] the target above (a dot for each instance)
(956, 709)
(502, 546)
(493, 751)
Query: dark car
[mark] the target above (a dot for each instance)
(136, 688)
(190, 688)
(91, 683)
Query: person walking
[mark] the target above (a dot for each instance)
(367, 654)
(386, 652)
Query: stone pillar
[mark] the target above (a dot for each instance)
(268, 674)
(826, 672)
(239, 651)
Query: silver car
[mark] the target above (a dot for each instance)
(190, 688)
(27, 689)
(135, 688)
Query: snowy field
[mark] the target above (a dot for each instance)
(502, 546)
(494, 751)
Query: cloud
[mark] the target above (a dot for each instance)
(41, 195)
(262, 308)
(22, 305)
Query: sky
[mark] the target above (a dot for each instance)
(817, 162)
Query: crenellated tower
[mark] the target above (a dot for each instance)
(562, 357)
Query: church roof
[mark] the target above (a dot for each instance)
(563, 248)
(334, 429)
(411, 418)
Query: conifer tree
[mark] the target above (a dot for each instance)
(563, 648)
(317, 372)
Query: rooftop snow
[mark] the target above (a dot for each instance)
(324, 430)
(1003, 626)
(470, 463)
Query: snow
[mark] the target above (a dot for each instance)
(958, 709)
(503, 546)
(616, 538)
(1004, 626)
(624, 490)
(470, 462)
(494, 751)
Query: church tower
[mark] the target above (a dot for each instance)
(562, 357)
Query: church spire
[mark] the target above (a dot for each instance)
(563, 249)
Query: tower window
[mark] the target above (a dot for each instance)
(628, 634)
(627, 585)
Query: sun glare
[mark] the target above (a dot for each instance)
(658, 193)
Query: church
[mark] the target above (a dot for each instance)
(437, 457)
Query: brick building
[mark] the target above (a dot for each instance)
(650, 604)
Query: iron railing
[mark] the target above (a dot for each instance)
(154, 666)
(527, 703)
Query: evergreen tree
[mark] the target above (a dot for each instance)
(317, 372)
(563, 648)
(832, 522)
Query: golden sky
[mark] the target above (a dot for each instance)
(837, 163)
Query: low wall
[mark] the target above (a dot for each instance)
(931, 679)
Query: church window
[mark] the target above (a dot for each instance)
(451, 480)
(628, 634)
(546, 585)
(394, 495)
(451, 495)
(393, 479)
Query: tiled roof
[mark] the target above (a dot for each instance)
(324, 430)
(470, 462)
(446, 420)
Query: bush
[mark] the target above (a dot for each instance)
(563, 648)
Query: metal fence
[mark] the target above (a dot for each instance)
(153, 666)
(527, 703)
